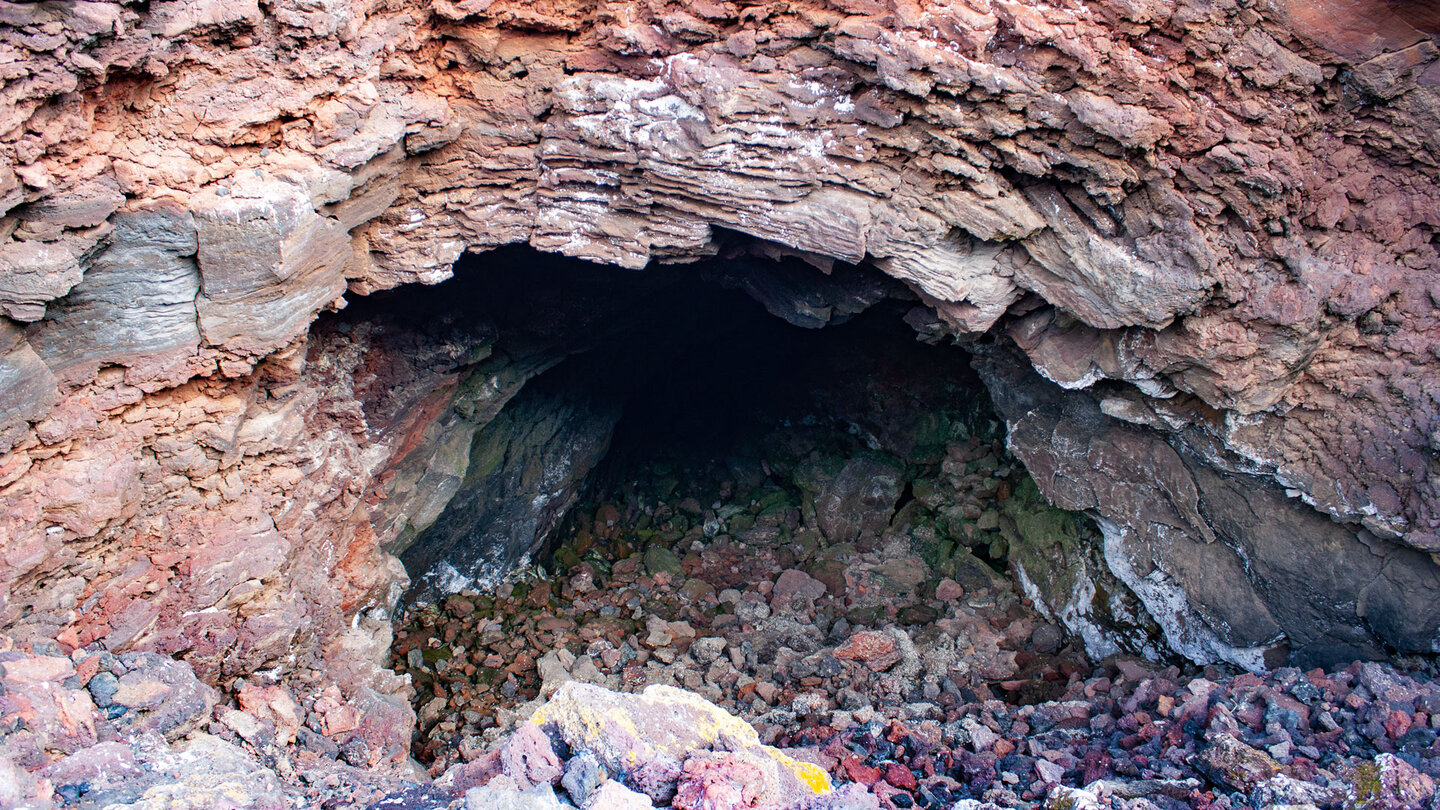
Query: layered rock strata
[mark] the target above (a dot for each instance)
(1227, 210)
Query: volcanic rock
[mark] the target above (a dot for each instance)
(857, 504)
(614, 796)
(876, 650)
(1208, 228)
(1236, 765)
(661, 727)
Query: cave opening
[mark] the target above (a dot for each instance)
(649, 477)
(747, 416)
(678, 374)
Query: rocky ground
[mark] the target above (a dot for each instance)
(908, 669)
(720, 579)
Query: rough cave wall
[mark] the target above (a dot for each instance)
(1226, 212)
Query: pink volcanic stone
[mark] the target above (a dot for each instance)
(723, 782)
(795, 583)
(948, 590)
(874, 649)
(1390, 782)
(529, 759)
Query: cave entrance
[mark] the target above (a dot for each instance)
(778, 443)
(652, 478)
(678, 385)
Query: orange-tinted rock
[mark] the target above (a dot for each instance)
(876, 650)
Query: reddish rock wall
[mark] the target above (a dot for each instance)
(1230, 209)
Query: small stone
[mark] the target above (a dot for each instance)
(1048, 772)
(795, 584)
(1046, 639)
(614, 796)
(1068, 798)
(876, 650)
(355, 751)
(1235, 765)
(529, 759)
(900, 776)
(1397, 724)
(249, 728)
(274, 705)
(752, 611)
(583, 776)
(697, 592)
(809, 703)
(982, 738)
(706, 650)
(948, 590)
(659, 559)
(336, 716)
(103, 687)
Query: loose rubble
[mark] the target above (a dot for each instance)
(914, 676)
(136, 731)
(787, 580)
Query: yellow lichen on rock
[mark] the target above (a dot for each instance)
(663, 722)
(811, 774)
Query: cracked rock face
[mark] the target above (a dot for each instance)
(1218, 219)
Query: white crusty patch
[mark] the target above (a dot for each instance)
(1167, 603)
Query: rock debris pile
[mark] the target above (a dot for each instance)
(1126, 736)
(140, 731)
(806, 572)
(911, 673)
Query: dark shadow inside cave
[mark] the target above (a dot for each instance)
(749, 413)
(680, 382)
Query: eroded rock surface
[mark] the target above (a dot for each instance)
(1227, 210)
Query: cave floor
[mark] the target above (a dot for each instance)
(915, 670)
(712, 579)
(711, 576)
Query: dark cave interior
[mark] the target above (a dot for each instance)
(677, 375)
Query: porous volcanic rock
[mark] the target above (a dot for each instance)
(1225, 211)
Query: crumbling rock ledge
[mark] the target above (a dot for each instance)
(1226, 210)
